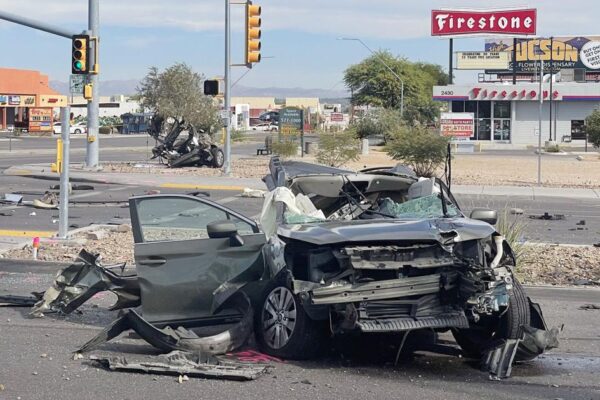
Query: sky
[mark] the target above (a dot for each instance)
(299, 45)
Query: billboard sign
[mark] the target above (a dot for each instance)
(291, 121)
(482, 60)
(565, 52)
(514, 22)
(457, 125)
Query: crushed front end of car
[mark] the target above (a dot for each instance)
(385, 251)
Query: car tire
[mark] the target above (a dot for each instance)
(474, 342)
(77, 131)
(278, 333)
(218, 157)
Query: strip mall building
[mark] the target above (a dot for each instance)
(505, 99)
(27, 101)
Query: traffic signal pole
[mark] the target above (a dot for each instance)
(227, 82)
(41, 26)
(93, 142)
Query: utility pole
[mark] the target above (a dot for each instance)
(541, 94)
(227, 81)
(93, 143)
(63, 212)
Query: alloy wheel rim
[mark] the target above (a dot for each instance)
(279, 317)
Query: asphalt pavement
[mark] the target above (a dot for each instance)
(38, 364)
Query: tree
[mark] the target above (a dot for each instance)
(336, 149)
(373, 84)
(177, 92)
(419, 148)
(383, 122)
(592, 128)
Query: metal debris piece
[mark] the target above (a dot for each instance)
(185, 364)
(516, 211)
(78, 282)
(590, 307)
(12, 198)
(498, 360)
(548, 217)
(18, 301)
(169, 339)
(581, 222)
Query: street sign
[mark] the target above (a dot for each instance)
(459, 22)
(76, 85)
(457, 125)
(482, 60)
(291, 121)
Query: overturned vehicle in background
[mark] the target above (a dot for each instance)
(180, 144)
(381, 250)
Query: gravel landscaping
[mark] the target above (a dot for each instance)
(541, 265)
(467, 169)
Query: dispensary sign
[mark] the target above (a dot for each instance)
(514, 22)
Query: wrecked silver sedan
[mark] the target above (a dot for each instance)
(381, 250)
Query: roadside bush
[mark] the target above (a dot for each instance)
(336, 149)
(418, 148)
(286, 147)
(512, 227)
(382, 123)
(592, 128)
(105, 130)
(237, 135)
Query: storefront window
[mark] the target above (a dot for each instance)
(577, 129)
(484, 129)
(502, 109)
(458, 106)
(484, 110)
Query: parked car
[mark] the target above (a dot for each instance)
(76, 129)
(381, 250)
(265, 127)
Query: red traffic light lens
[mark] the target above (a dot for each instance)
(78, 44)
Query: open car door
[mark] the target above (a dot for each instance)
(185, 248)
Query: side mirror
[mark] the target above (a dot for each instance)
(485, 215)
(225, 229)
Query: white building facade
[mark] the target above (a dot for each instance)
(509, 114)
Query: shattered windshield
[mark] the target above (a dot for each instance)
(422, 207)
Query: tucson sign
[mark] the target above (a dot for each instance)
(474, 22)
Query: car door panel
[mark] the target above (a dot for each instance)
(178, 277)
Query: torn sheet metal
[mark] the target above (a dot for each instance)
(184, 363)
(169, 339)
(498, 360)
(78, 282)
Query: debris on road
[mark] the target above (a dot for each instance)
(590, 307)
(548, 217)
(255, 193)
(12, 198)
(516, 211)
(168, 339)
(81, 280)
(18, 301)
(185, 364)
(47, 201)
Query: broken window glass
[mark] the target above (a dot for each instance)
(422, 207)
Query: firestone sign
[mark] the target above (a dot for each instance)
(474, 22)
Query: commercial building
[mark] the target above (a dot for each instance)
(26, 101)
(505, 102)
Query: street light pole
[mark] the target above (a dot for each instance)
(387, 66)
(539, 177)
(93, 144)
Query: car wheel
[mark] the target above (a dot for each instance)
(283, 329)
(476, 340)
(77, 131)
(218, 157)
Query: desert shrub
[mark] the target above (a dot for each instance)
(512, 227)
(592, 128)
(382, 122)
(418, 148)
(286, 147)
(336, 149)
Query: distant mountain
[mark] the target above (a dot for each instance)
(107, 88)
(127, 87)
(240, 90)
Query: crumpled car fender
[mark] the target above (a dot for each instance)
(169, 339)
(80, 281)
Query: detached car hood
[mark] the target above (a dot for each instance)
(439, 229)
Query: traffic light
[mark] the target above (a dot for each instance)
(80, 63)
(211, 87)
(253, 33)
